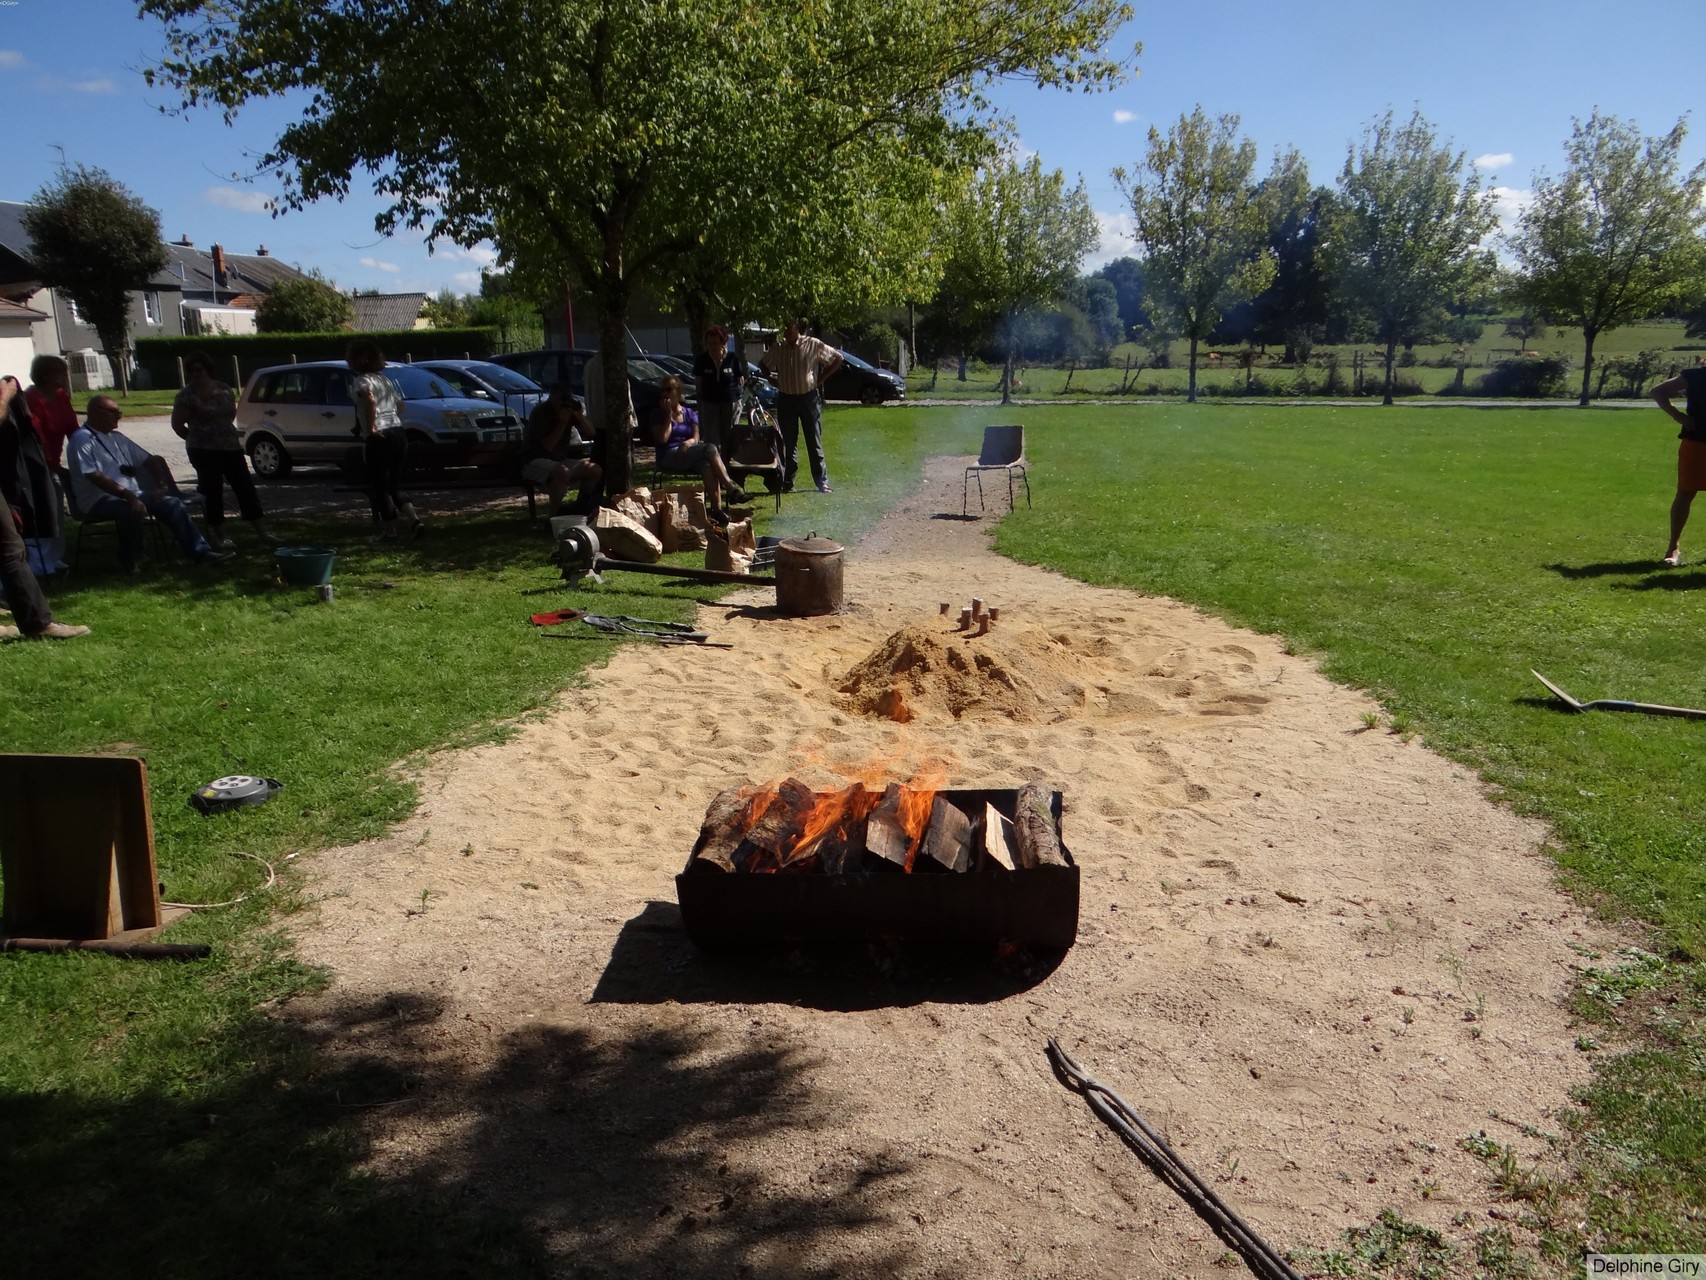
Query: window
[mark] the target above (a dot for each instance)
(151, 308)
(71, 306)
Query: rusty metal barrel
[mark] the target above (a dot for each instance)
(808, 576)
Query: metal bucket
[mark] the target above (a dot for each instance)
(808, 577)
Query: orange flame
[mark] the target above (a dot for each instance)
(836, 819)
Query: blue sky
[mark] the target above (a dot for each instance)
(1501, 81)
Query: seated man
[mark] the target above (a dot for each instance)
(555, 451)
(114, 478)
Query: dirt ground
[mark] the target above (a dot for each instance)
(1315, 956)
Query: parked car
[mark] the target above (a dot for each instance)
(483, 380)
(682, 367)
(856, 380)
(569, 365)
(302, 413)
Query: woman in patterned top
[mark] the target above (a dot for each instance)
(205, 418)
(379, 423)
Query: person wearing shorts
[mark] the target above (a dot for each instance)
(1690, 449)
(555, 452)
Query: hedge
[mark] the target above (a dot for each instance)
(159, 357)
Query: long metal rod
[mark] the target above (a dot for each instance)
(601, 563)
(1617, 704)
(1119, 1115)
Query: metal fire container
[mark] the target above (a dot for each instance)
(1033, 908)
(808, 577)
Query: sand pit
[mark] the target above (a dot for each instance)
(1314, 956)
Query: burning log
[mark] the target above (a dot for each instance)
(1036, 836)
(998, 842)
(835, 830)
(773, 837)
(885, 834)
(723, 829)
(947, 840)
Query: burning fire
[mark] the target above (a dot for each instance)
(785, 826)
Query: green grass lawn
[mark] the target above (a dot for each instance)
(1431, 555)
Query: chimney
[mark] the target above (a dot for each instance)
(219, 265)
(187, 243)
(261, 252)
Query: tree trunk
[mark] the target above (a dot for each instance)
(1071, 368)
(1588, 335)
(1191, 395)
(1125, 383)
(1007, 378)
(962, 366)
(1391, 350)
(617, 425)
(698, 310)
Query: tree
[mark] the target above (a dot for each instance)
(448, 309)
(605, 143)
(1525, 328)
(1015, 238)
(1292, 310)
(1406, 240)
(1203, 233)
(95, 242)
(305, 304)
(1617, 236)
(1126, 275)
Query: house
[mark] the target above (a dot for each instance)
(17, 338)
(198, 291)
(388, 311)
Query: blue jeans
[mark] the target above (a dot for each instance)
(793, 413)
(168, 510)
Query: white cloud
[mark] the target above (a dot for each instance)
(1508, 204)
(376, 265)
(10, 59)
(101, 84)
(1117, 240)
(466, 281)
(1122, 116)
(1493, 160)
(242, 199)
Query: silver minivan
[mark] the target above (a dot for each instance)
(302, 413)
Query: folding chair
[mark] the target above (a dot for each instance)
(62, 479)
(1003, 450)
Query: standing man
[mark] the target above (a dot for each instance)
(719, 374)
(798, 364)
(20, 486)
(114, 478)
(1690, 449)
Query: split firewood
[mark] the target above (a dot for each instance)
(947, 840)
(885, 837)
(777, 829)
(965, 618)
(723, 830)
(998, 842)
(1035, 833)
(839, 819)
(976, 607)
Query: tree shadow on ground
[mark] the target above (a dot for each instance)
(654, 962)
(1672, 581)
(556, 1153)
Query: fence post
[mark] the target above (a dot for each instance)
(408, 357)
(180, 363)
(236, 372)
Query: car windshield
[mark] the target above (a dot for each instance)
(645, 370)
(854, 360)
(503, 379)
(418, 384)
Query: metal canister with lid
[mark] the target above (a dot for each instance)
(808, 576)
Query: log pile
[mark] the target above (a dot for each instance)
(790, 829)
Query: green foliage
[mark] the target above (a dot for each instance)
(304, 304)
(1617, 237)
(1293, 309)
(598, 143)
(258, 350)
(1126, 275)
(1201, 227)
(1530, 378)
(1406, 239)
(94, 241)
(1015, 236)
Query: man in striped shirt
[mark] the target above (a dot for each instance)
(798, 365)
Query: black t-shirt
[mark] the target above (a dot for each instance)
(719, 380)
(1694, 382)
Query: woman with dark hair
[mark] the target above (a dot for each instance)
(204, 416)
(379, 423)
(25, 498)
(674, 428)
(53, 418)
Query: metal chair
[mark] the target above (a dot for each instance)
(1003, 450)
(68, 493)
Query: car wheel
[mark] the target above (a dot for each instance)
(423, 453)
(871, 395)
(268, 458)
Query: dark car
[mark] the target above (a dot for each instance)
(856, 380)
(483, 380)
(300, 413)
(569, 366)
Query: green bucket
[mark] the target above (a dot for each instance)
(310, 566)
